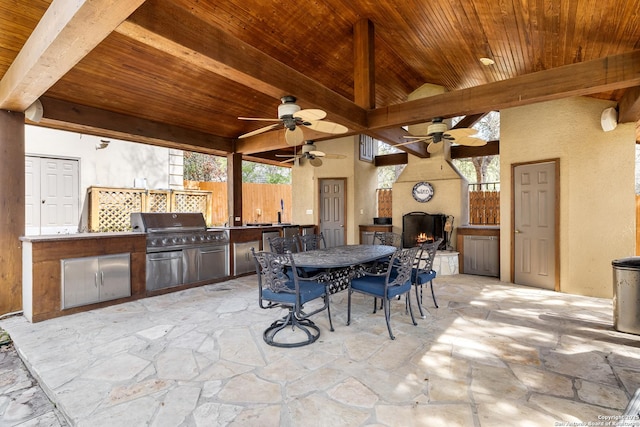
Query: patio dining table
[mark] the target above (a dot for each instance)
(340, 263)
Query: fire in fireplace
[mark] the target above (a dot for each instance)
(420, 227)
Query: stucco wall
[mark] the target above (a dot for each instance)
(115, 166)
(360, 187)
(597, 194)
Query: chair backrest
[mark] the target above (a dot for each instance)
(387, 238)
(426, 255)
(271, 269)
(281, 245)
(401, 266)
(309, 242)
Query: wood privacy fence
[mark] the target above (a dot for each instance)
(260, 202)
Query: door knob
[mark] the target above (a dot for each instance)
(517, 231)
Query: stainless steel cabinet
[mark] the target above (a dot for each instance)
(95, 279)
(164, 269)
(481, 255)
(242, 259)
(213, 262)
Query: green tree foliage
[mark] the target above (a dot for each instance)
(265, 174)
(204, 167)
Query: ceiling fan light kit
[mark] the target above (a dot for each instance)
(438, 131)
(292, 118)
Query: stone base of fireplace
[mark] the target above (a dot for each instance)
(446, 263)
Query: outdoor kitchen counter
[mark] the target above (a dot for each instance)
(77, 236)
(42, 256)
(243, 238)
(248, 233)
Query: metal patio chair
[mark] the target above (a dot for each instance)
(279, 286)
(387, 285)
(423, 271)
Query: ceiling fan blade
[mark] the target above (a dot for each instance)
(286, 155)
(317, 153)
(326, 127)
(294, 137)
(310, 114)
(315, 162)
(258, 119)
(293, 159)
(426, 139)
(460, 132)
(257, 131)
(470, 141)
(434, 147)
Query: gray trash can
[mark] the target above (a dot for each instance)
(626, 295)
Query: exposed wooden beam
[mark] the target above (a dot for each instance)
(93, 121)
(395, 137)
(65, 34)
(629, 106)
(364, 82)
(585, 78)
(462, 152)
(470, 120)
(173, 30)
(391, 159)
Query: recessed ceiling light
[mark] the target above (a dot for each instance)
(487, 61)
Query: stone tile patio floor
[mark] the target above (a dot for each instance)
(493, 354)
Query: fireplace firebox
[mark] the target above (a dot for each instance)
(420, 227)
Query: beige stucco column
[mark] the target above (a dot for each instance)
(12, 216)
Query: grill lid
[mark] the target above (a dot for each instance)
(155, 222)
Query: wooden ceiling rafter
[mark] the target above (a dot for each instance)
(68, 116)
(175, 31)
(585, 78)
(57, 44)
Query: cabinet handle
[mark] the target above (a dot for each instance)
(96, 279)
(102, 278)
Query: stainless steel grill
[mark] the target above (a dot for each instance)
(180, 249)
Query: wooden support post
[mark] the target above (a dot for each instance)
(234, 188)
(12, 201)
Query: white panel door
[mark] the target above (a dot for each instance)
(52, 195)
(32, 195)
(332, 211)
(534, 226)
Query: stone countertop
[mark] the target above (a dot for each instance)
(77, 236)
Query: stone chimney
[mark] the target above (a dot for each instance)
(451, 189)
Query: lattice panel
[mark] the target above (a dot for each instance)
(158, 201)
(115, 208)
(190, 203)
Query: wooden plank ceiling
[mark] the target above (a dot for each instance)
(179, 73)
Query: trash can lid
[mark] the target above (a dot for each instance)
(631, 262)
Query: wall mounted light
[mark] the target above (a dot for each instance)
(34, 111)
(104, 143)
(609, 119)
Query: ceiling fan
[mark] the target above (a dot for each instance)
(292, 117)
(310, 152)
(438, 131)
